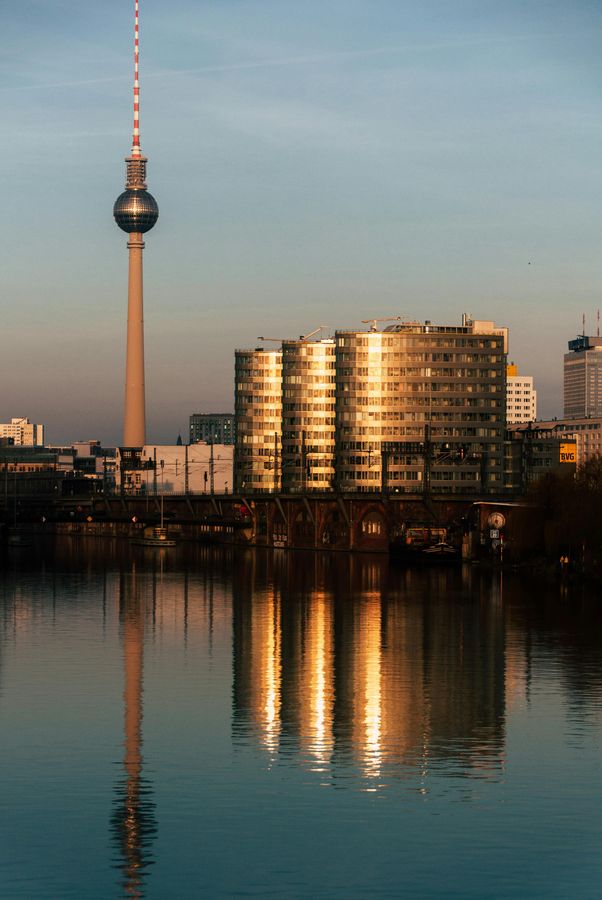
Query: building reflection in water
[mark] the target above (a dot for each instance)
(349, 663)
(314, 684)
(133, 821)
(258, 648)
(343, 665)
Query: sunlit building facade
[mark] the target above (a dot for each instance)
(22, 433)
(258, 416)
(413, 408)
(308, 415)
(421, 403)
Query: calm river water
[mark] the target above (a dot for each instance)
(209, 723)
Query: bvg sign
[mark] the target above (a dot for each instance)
(568, 453)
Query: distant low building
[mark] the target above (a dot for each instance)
(23, 432)
(521, 397)
(176, 469)
(212, 428)
(88, 459)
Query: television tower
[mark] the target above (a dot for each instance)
(135, 212)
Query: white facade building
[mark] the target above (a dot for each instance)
(23, 432)
(521, 397)
(178, 469)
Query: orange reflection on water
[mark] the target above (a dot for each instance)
(266, 643)
(368, 684)
(316, 680)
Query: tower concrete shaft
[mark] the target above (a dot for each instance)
(135, 212)
(134, 420)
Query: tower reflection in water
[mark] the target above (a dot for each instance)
(354, 667)
(133, 821)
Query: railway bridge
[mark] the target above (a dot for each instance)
(344, 522)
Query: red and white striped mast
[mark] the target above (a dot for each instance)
(136, 132)
(135, 212)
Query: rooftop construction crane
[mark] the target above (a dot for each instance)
(302, 337)
(306, 337)
(372, 322)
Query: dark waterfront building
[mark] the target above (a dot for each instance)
(212, 428)
(33, 475)
(586, 431)
(30, 471)
(532, 451)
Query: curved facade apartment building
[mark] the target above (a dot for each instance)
(258, 416)
(308, 415)
(416, 408)
(421, 407)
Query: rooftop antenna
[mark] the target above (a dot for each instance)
(583, 320)
(598, 320)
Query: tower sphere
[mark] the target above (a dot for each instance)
(136, 211)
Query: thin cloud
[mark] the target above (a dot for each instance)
(285, 61)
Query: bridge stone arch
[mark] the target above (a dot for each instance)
(334, 531)
(303, 528)
(372, 529)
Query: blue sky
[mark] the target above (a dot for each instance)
(314, 163)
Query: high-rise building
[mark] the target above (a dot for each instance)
(421, 407)
(22, 432)
(416, 408)
(583, 377)
(521, 397)
(212, 428)
(308, 411)
(258, 414)
(135, 212)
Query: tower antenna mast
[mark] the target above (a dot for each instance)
(136, 132)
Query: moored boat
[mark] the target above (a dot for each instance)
(157, 538)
